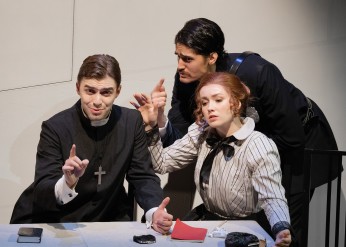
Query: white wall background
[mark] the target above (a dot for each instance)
(43, 42)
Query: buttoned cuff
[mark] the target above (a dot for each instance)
(63, 193)
(280, 226)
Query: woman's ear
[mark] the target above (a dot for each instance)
(236, 108)
(212, 58)
(239, 105)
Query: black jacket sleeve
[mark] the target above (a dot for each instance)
(140, 175)
(277, 101)
(180, 115)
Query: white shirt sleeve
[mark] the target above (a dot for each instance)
(162, 130)
(149, 216)
(63, 193)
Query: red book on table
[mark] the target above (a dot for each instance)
(184, 232)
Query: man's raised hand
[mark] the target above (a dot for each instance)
(159, 98)
(74, 168)
(162, 221)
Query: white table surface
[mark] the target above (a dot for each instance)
(107, 234)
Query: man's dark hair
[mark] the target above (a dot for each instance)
(98, 67)
(203, 36)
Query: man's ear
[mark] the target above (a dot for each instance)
(246, 88)
(212, 58)
(118, 90)
(77, 88)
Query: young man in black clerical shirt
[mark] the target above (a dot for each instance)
(84, 154)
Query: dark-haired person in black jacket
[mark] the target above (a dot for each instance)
(281, 111)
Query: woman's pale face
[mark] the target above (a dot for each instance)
(192, 66)
(217, 107)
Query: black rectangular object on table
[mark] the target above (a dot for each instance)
(29, 235)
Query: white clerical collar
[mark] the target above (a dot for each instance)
(98, 123)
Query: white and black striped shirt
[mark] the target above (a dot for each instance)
(239, 186)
